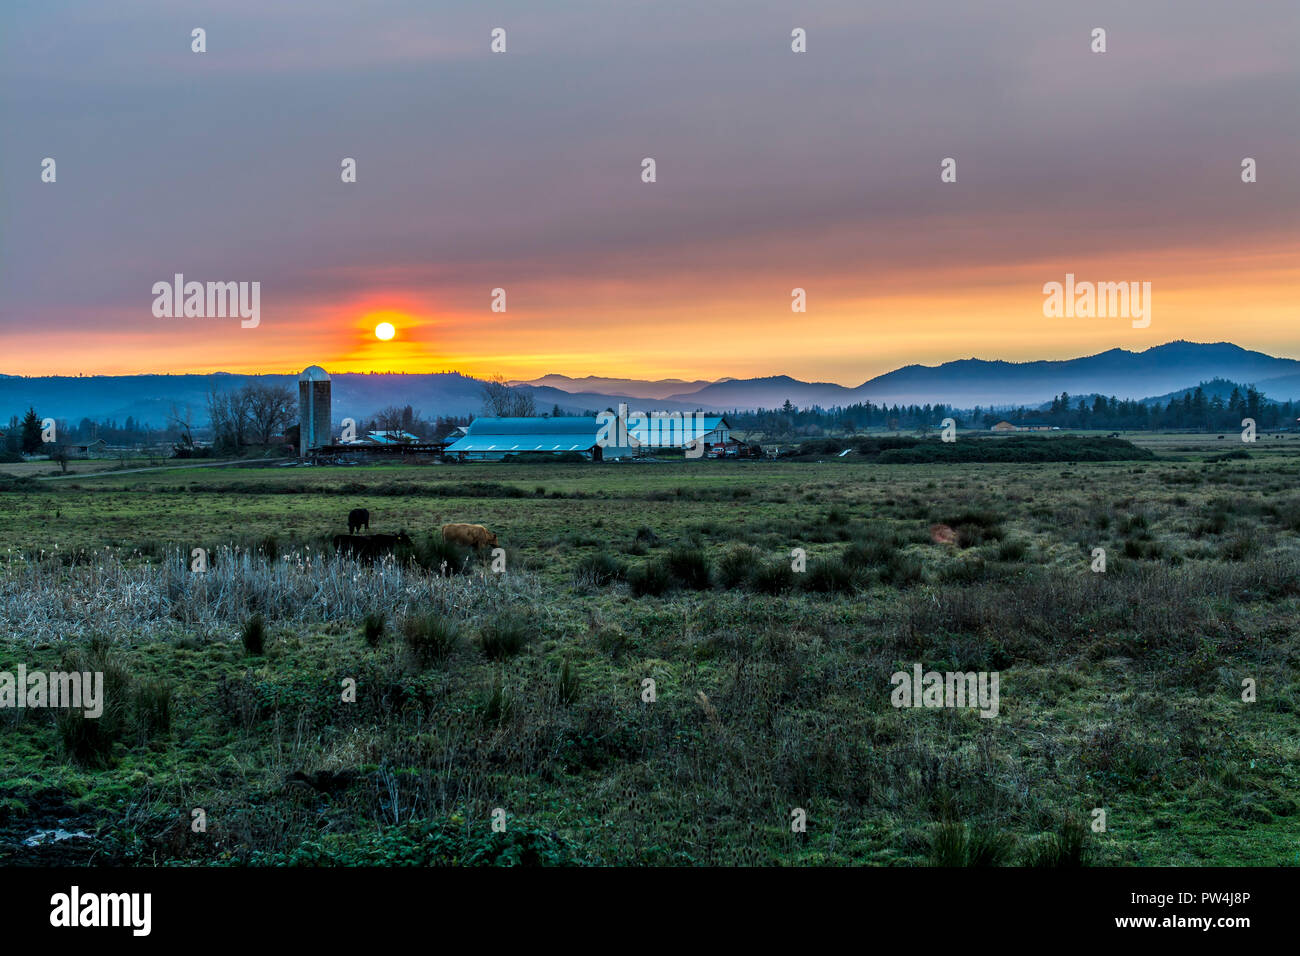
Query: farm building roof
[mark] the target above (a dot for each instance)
(528, 434)
(674, 430)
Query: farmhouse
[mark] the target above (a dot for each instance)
(1005, 426)
(488, 439)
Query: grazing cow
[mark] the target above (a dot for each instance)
(356, 545)
(471, 535)
(942, 534)
(380, 543)
(358, 518)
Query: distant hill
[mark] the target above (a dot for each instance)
(1162, 371)
(1118, 372)
(660, 388)
(969, 382)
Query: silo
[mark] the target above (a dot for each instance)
(313, 409)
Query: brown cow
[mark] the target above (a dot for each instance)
(471, 535)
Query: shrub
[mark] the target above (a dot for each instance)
(253, 635)
(773, 577)
(1239, 547)
(599, 569)
(902, 570)
(988, 848)
(869, 553)
(690, 568)
(738, 565)
(1012, 550)
(948, 844)
(650, 578)
(89, 740)
(1065, 848)
(506, 636)
(827, 576)
(151, 703)
(430, 639)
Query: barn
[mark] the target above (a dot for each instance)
(488, 439)
(674, 430)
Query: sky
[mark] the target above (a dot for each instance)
(522, 171)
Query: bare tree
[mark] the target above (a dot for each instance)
(393, 420)
(228, 412)
(502, 401)
(181, 422)
(270, 409)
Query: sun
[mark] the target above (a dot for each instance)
(385, 331)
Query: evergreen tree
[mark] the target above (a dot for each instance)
(31, 433)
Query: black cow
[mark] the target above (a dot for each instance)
(358, 546)
(381, 543)
(368, 547)
(358, 518)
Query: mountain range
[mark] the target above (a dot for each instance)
(1160, 371)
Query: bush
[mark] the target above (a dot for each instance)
(1065, 848)
(373, 628)
(827, 576)
(902, 570)
(690, 568)
(506, 636)
(955, 844)
(151, 703)
(738, 565)
(430, 639)
(948, 845)
(599, 569)
(869, 553)
(650, 578)
(253, 635)
(773, 577)
(1013, 550)
(89, 740)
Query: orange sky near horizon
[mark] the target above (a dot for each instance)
(734, 325)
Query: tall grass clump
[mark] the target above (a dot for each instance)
(429, 638)
(649, 579)
(828, 576)
(253, 635)
(89, 740)
(372, 628)
(737, 565)
(689, 567)
(506, 636)
(599, 570)
(773, 577)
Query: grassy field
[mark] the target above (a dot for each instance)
(523, 690)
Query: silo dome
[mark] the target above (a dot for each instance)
(314, 373)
